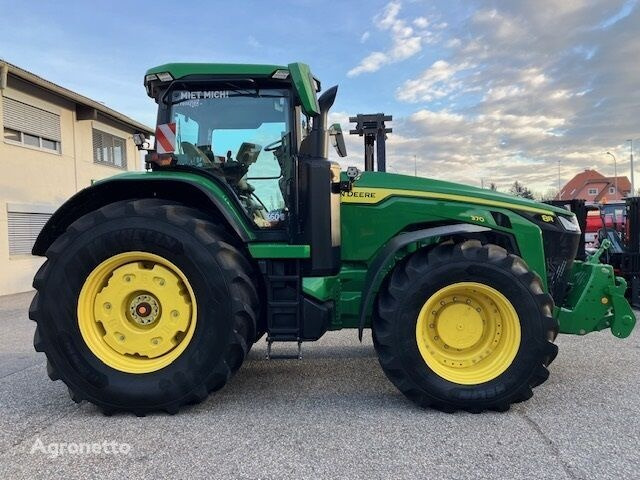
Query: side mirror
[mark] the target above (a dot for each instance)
(337, 139)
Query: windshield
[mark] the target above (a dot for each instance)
(242, 135)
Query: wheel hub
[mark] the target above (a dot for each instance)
(144, 309)
(468, 332)
(459, 325)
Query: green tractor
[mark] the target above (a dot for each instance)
(157, 283)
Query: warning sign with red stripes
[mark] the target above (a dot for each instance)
(166, 138)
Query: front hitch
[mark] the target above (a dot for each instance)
(595, 300)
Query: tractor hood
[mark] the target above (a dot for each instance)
(373, 187)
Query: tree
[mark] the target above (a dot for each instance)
(550, 194)
(520, 190)
(493, 186)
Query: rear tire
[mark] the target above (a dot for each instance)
(215, 269)
(428, 377)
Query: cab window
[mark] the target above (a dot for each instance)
(244, 136)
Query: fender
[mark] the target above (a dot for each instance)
(376, 272)
(194, 190)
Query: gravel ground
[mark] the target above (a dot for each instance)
(331, 415)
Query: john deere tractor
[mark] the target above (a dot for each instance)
(157, 283)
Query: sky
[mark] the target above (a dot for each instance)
(480, 91)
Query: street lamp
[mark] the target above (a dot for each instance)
(633, 187)
(559, 186)
(615, 172)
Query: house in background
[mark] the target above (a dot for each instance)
(54, 143)
(592, 186)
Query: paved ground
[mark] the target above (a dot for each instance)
(331, 415)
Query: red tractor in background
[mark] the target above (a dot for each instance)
(609, 216)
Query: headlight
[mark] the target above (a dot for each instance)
(570, 223)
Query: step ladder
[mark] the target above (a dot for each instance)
(283, 283)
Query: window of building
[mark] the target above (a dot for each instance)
(592, 191)
(28, 125)
(13, 135)
(109, 149)
(612, 190)
(24, 228)
(50, 144)
(31, 140)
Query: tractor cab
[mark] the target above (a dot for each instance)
(260, 131)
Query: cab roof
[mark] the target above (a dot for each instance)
(180, 70)
(305, 83)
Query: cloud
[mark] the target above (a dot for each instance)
(421, 22)
(520, 89)
(370, 63)
(431, 119)
(405, 40)
(252, 42)
(435, 82)
(388, 17)
(365, 36)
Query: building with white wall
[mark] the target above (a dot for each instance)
(55, 143)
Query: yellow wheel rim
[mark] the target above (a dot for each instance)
(468, 333)
(137, 312)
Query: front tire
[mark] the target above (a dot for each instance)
(464, 326)
(144, 305)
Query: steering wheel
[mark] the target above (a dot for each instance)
(273, 146)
